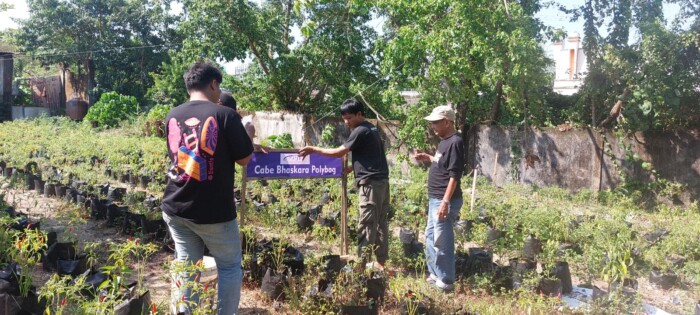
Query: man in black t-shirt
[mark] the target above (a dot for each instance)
(204, 140)
(444, 197)
(371, 176)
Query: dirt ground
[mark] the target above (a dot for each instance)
(53, 216)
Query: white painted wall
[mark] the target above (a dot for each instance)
(566, 80)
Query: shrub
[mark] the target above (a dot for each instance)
(111, 109)
(154, 125)
(283, 141)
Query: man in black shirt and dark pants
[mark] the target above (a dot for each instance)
(371, 176)
(444, 197)
(204, 141)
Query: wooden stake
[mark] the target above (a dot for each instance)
(495, 164)
(344, 211)
(476, 170)
(244, 180)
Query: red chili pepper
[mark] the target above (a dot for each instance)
(177, 283)
(136, 242)
(154, 309)
(196, 278)
(206, 286)
(183, 298)
(102, 298)
(131, 238)
(63, 302)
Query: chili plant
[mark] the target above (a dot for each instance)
(63, 294)
(186, 276)
(27, 253)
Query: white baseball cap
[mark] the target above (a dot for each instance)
(440, 113)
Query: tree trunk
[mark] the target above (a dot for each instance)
(593, 116)
(617, 109)
(90, 67)
(496, 105)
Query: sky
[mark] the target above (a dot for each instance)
(549, 16)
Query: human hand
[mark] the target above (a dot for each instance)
(303, 152)
(260, 148)
(419, 155)
(347, 170)
(443, 211)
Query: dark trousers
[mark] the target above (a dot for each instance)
(372, 227)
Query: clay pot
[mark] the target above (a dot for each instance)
(76, 108)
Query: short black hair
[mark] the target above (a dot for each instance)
(200, 74)
(352, 106)
(228, 100)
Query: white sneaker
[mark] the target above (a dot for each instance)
(444, 286)
(431, 279)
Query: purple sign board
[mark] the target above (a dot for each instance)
(291, 165)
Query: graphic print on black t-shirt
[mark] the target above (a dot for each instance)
(192, 145)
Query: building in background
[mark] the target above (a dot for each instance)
(570, 65)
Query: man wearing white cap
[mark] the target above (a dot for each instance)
(444, 197)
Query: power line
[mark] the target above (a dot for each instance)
(25, 55)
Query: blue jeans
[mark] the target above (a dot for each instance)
(224, 244)
(440, 240)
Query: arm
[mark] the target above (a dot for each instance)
(422, 156)
(337, 152)
(455, 168)
(260, 148)
(244, 161)
(443, 211)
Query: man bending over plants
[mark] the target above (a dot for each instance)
(444, 197)
(204, 141)
(371, 177)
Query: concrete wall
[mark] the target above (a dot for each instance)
(583, 158)
(28, 112)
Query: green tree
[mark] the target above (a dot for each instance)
(481, 56)
(6, 6)
(330, 61)
(649, 81)
(116, 43)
